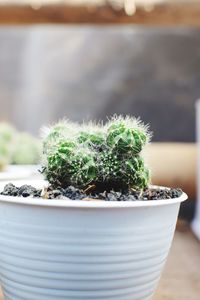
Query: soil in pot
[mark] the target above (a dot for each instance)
(76, 194)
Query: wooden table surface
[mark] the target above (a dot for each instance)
(181, 277)
(167, 12)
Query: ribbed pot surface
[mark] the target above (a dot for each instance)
(79, 253)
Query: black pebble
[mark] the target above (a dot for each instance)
(111, 197)
(26, 191)
(10, 190)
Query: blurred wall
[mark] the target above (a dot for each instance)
(49, 72)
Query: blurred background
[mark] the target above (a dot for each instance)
(83, 60)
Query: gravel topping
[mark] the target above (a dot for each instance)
(76, 194)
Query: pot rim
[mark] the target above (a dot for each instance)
(84, 203)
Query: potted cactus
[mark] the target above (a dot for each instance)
(97, 230)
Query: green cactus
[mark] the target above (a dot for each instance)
(117, 170)
(108, 157)
(59, 132)
(57, 170)
(136, 173)
(127, 135)
(69, 165)
(92, 139)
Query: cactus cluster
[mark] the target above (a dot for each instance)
(104, 156)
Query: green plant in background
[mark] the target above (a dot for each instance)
(104, 156)
(26, 150)
(7, 138)
(17, 147)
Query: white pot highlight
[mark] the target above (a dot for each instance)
(196, 221)
(84, 250)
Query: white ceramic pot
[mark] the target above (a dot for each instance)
(84, 250)
(18, 172)
(196, 221)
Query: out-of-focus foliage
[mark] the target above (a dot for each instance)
(7, 139)
(26, 150)
(17, 147)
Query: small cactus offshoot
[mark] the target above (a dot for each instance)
(104, 156)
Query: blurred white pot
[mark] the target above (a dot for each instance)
(196, 222)
(88, 250)
(16, 172)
